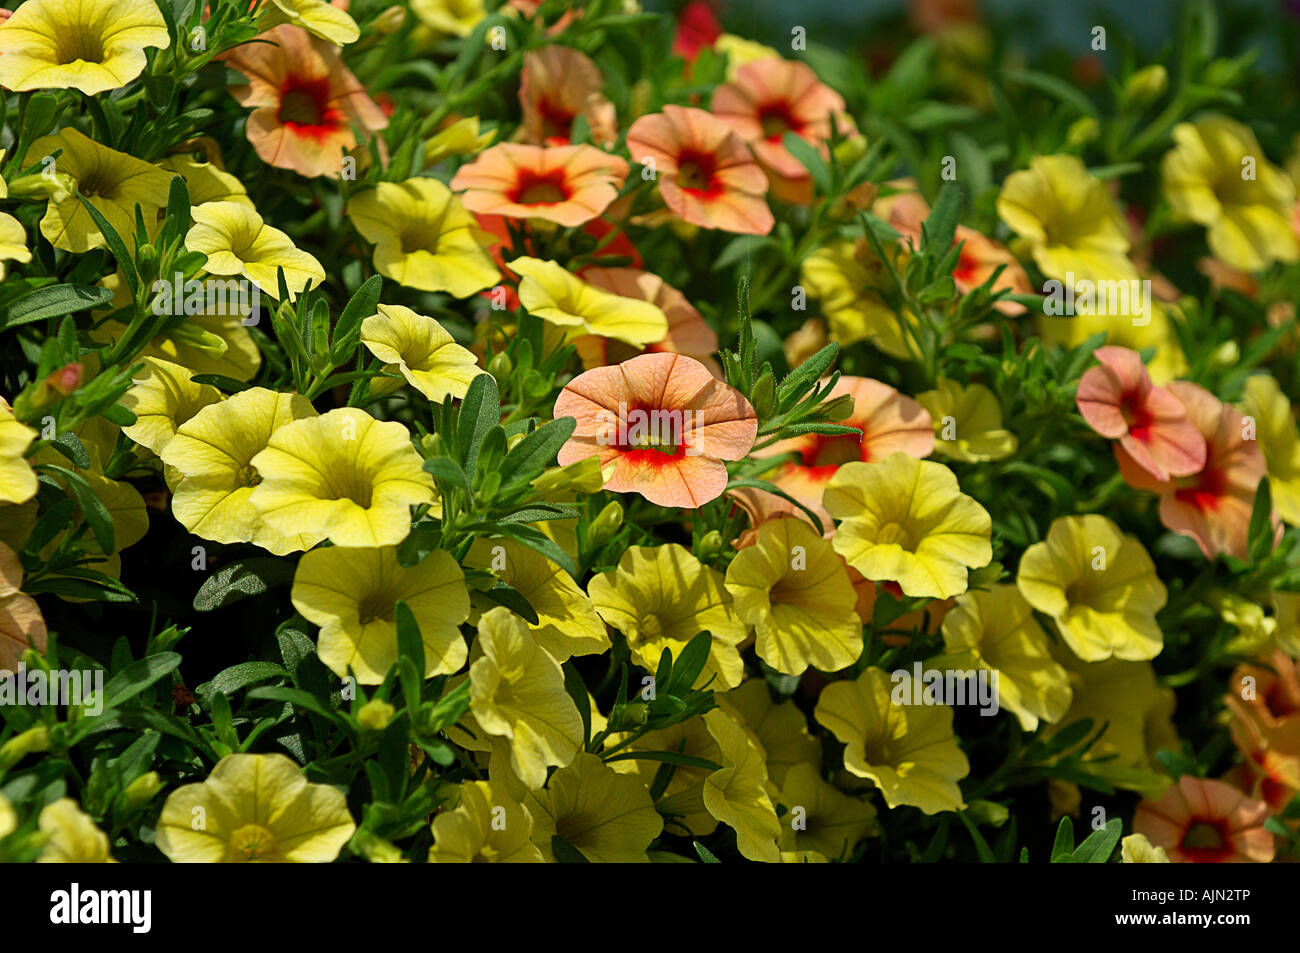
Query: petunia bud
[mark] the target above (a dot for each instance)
(390, 21)
(1146, 85)
(500, 366)
(146, 259)
(636, 713)
(711, 544)
(66, 379)
(38, 186)
(18, 747)
(213, 345)
(142, 790)
(1082, 131)
(764, 395)
(375, 715)
(605, 525)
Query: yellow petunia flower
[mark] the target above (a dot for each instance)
(1136, 709)
(1275, 429)
(906, 520)
(820, 819)
(254, 808)
(237, 242)
(113, 182)
(461, 138)
(1072, 224)
(552, 293)
(661, 597)
(793, 588)
(994, 630)
(8, 818)
(424, 238)
(781, 729)
(421, 350)
(1218, 176)
(1098, 585)
(1136, 849)
(487, 826)
(843, 276)
(210, 464)
(967, 422)
(92, 46)
(737, 794)
(517, 693)
(17, 478)
(607, 816)
(909, 751)
(206, 181)
(13, 240)
(567, 623)
(163, 398)
(317, 17)
(352, 594)
(73, 836)
(343, 476)
(682, 802)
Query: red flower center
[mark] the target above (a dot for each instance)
(1206, 841)
(777, 119)
(557, 122)
(652, 436)
(695, 173)
(824, 454)
(966, 270)
(535, 189)
(1206, 489)
(305, 106)
(1137, 416)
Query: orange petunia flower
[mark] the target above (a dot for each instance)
(889, 421)
(306, 102)
(1206, 822)
(663, 423)
(688, 332)
(979, 258)
(1213, 505)
(21, 622)
(1118, 400)
(559, 84)
(707, 175)
(567, 185)
(771, 97)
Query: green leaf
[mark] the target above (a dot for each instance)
(1261, 533)
(577, 689)
(690, 663)
(566, 853)
(981, 845)
(248, 577)
(92, 508)
(347, 330)
(536, 451)
(706, 855)
(668, 757)
(504, 594)
(1053, 86)
(53, 301)
(237, 677)
(70, 445)
(1064, 845)
(480, 411)
(138, 676)
(115, 245)
(810, 159)
(532, 538)
(295, 697)
(1098, 846)
(409, 643)
(448, 471)
(939, 229)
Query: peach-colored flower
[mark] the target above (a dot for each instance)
(1213, 505)
(1206, 822)
(707, 175)
(1265, 707)
(688, 332)
(559, 84)
(567, 185)
(979, 258)
(889, 421)
(771, 97)
(1118, 400)
(663, 422)
(306, 102)
(20, 617)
